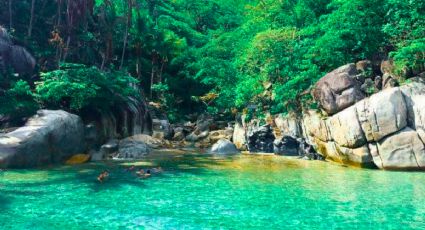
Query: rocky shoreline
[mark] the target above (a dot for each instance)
(384, 130)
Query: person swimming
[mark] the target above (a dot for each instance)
(131, 168)
(142, 174)
(103, 176)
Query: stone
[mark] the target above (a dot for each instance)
(345, 128)
(196, 136)
(216, 135)
(402, 150)
(382, 114)
(203, 123)
(363, 65)
(224, 147)
(288, 126)
(388, 81)
(368, 87)
(338, 89)
(178, 136)
(239, 135)
(414, 96)
(260, 139)
(152, 142)
(378, 82)
(51, 136)
(306, 151)
(315, 126)
(387, 66)
(360, 156)
(287, 146)
(132, 148)
(162, 128)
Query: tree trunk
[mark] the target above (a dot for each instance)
(129, 16)
(10, 15)
(31, 18)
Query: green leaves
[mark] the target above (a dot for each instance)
(76, 86)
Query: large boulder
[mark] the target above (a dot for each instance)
(314, 126)
(224, 147)
(402, 150)
(338, 89)
(48, 137)
(382, 114)
(345, 128)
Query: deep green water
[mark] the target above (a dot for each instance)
(202, 192)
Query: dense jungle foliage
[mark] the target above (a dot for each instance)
(218, 56)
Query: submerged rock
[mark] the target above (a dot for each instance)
(224, 147)
(51, 136)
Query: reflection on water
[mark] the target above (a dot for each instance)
(207, 192)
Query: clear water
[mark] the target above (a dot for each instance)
(203, 192)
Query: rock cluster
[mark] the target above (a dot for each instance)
(386, 130)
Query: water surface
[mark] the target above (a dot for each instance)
(204, 192)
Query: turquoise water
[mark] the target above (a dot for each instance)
(203, 192)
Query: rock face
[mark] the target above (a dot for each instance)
(261, 139)
(338, 89)
(48, 137)
(224, 147)
(239, 135)
(386, 130)
(287, 146)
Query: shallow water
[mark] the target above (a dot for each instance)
(204, 192)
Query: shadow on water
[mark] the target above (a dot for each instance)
(4, 202)
(86, 174)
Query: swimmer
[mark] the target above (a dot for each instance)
(131, 168)
(103, 176)
(141, 172)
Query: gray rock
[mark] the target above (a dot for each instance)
(345, 128)
(132, 148)
(382, 114)
(106, 150)
(224, 147)
(162, 128)
(48, 137)
(402, 150)
(338, 89)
